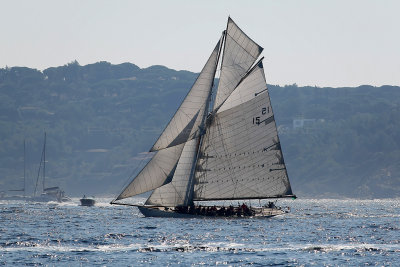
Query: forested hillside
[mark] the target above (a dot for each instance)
(99, 118)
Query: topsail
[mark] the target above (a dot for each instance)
(240, 53)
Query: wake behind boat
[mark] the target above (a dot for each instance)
(219, 146)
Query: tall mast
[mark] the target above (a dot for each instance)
(221, 51)
(24, 168)
(189, 192)
(44, 159)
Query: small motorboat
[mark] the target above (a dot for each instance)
(87, 201)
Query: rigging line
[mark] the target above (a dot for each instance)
(38, 175)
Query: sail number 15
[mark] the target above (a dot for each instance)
(257, 120)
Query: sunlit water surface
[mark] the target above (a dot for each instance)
(316, 232)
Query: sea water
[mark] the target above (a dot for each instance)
(319, 232)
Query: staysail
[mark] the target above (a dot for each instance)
(241, 156)
(176, 193)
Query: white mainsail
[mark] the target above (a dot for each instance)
(241, 157)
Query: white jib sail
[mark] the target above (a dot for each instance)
(185, 123)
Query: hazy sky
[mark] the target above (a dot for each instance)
(323, 43)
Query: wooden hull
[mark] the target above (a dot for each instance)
(159, 212)
(172, 213)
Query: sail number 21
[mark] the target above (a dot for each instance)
(257, 120)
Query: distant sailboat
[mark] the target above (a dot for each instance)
(49, 193)
(221, 146)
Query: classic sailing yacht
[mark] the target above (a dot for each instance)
(218, 146)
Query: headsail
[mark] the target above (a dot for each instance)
(241, 156)
(187, 119)
(183, 126)
(154, 174)
(177, 192)
(240, 53)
